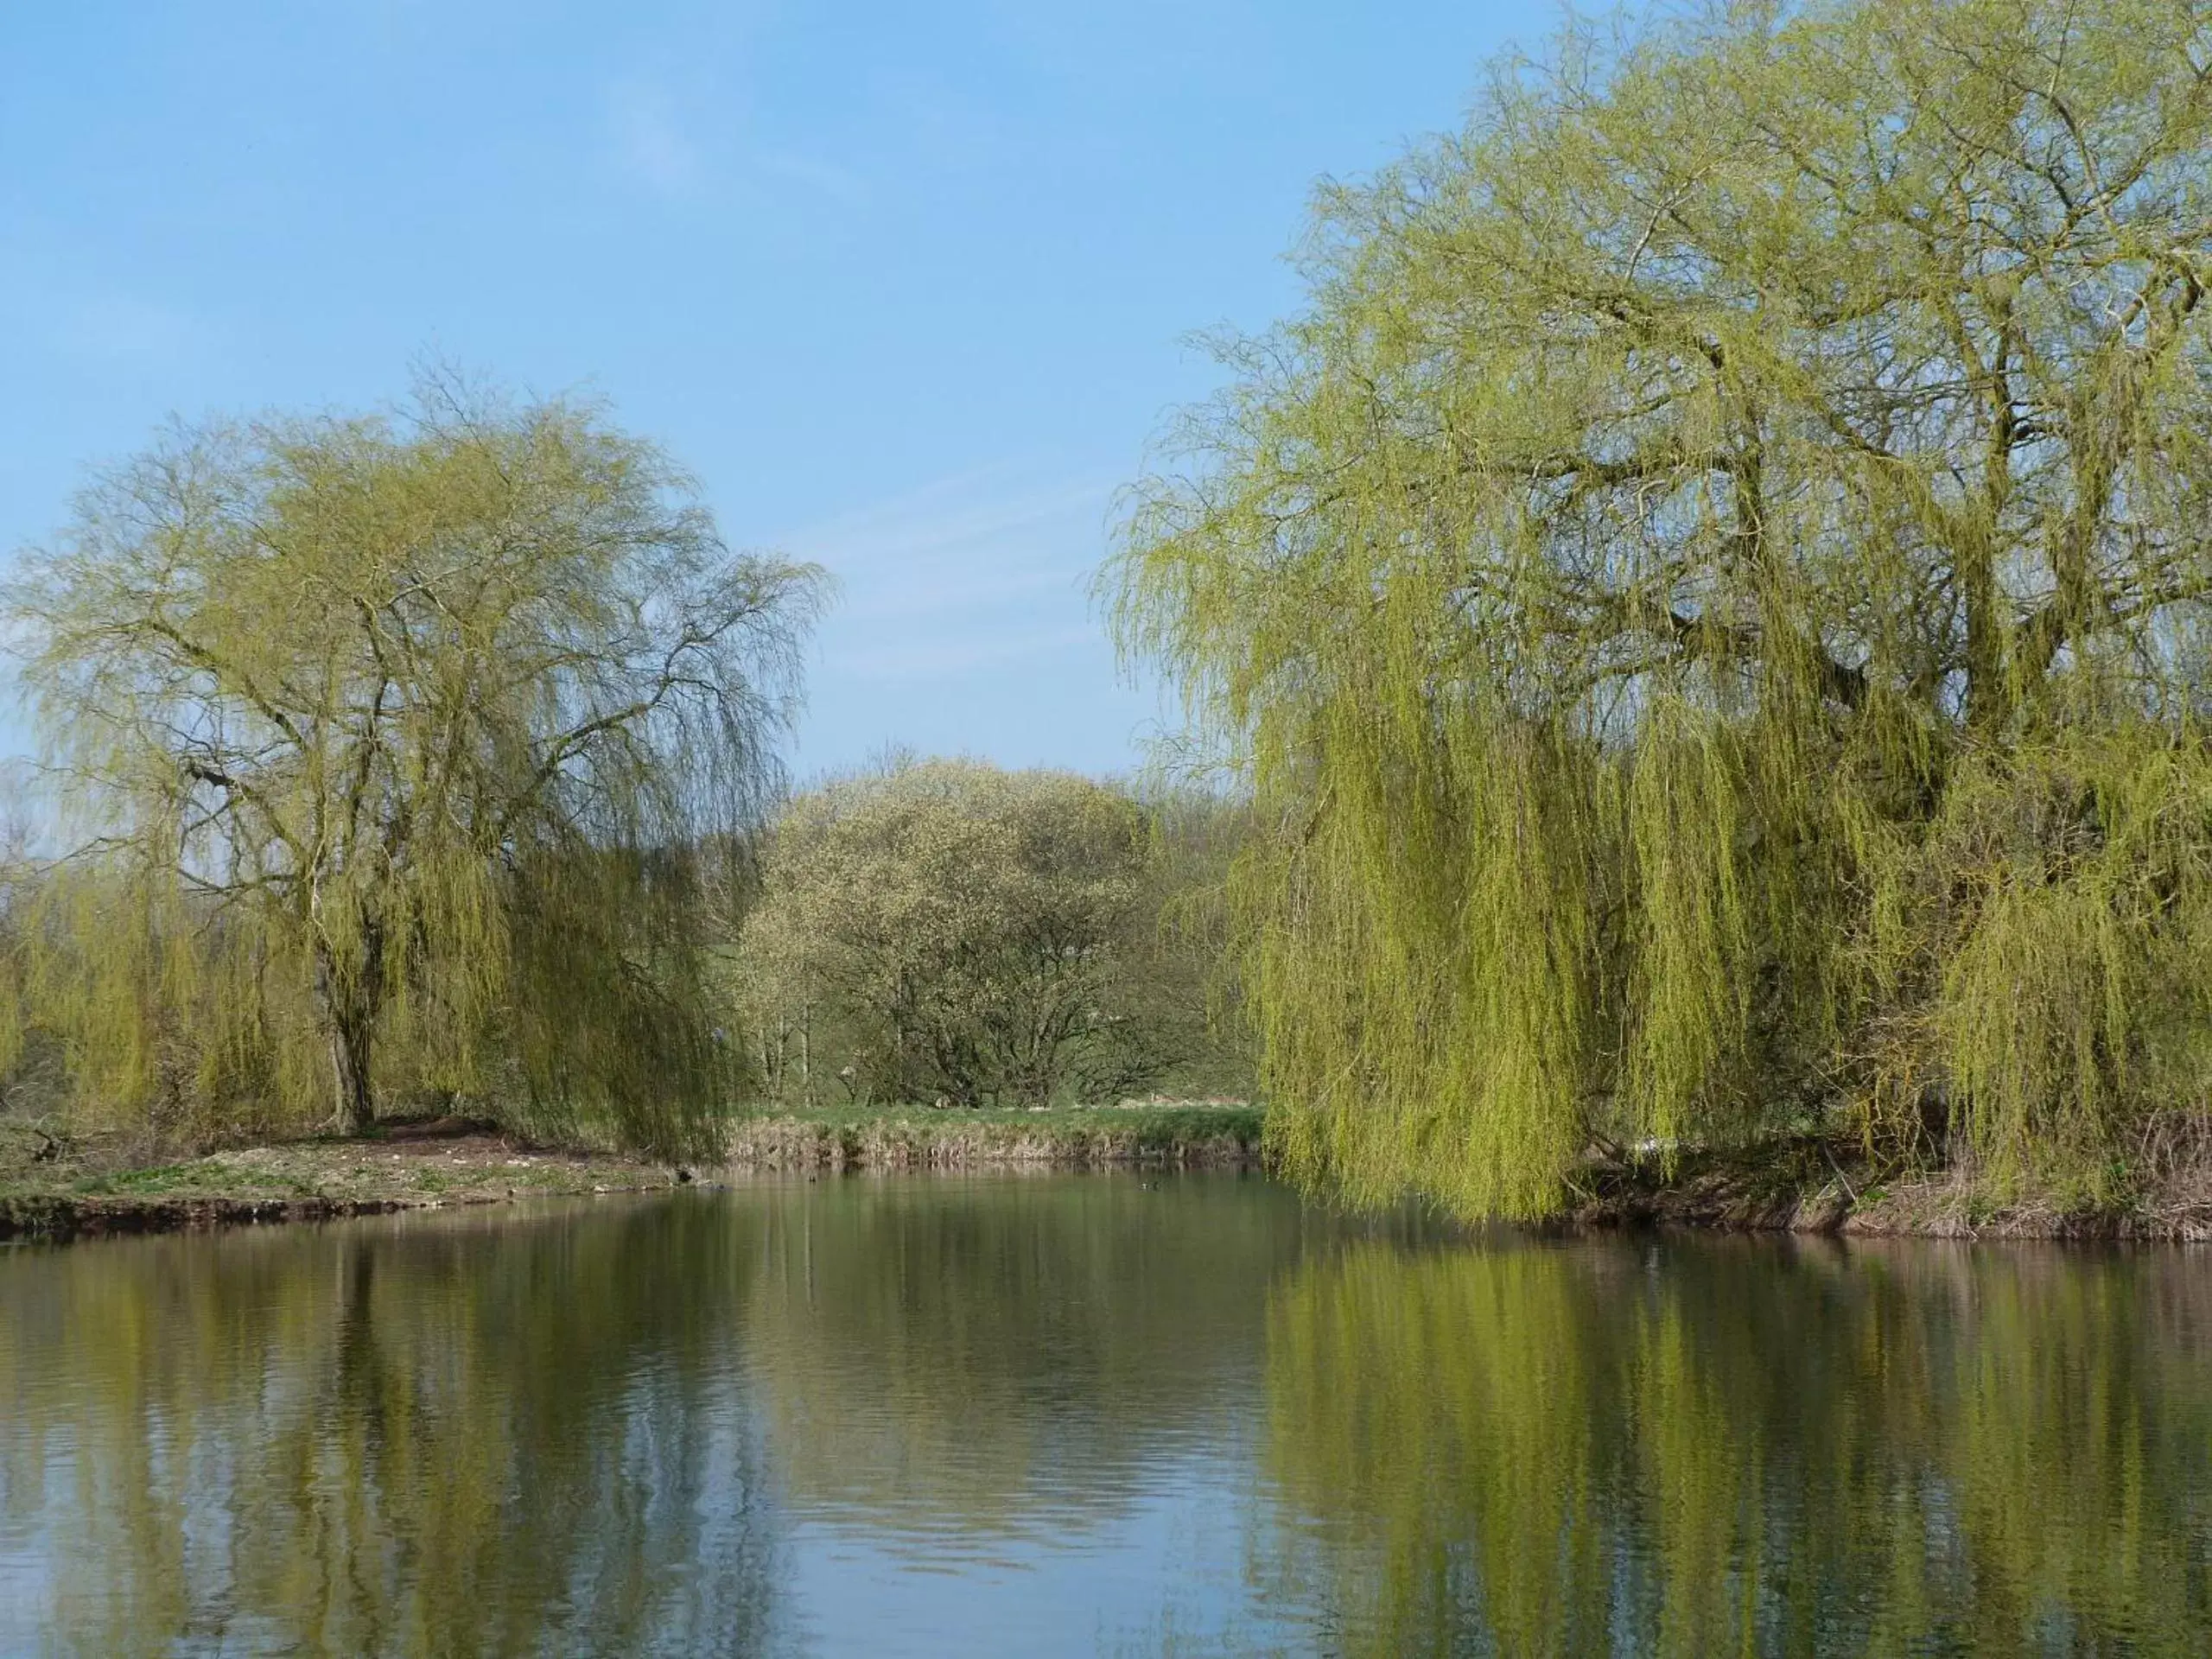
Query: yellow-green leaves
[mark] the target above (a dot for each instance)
(1676, 481)
(946, 928)
(392, 748)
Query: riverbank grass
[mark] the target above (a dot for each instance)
(53, 1186)
(57, 1185)
(1186, 1134)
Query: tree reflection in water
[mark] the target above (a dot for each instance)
(505, 1435)
(1702, 1446)
(1077, 1415)
(948, 1361)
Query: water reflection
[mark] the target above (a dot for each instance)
(1093, 1414)
(1699, 1447)
(473, 1437)
(945, 1361)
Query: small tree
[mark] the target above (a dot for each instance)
(400, 740)
(967, 930)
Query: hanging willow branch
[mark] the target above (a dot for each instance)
(1713, 586)
(392, 747)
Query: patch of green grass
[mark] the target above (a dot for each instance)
(198, 1180)
(160, 1179)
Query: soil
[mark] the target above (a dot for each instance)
(77, 1190)
(1811, 1185)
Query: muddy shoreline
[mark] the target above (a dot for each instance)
(1814, 1187)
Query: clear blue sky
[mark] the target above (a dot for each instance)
(907, 285)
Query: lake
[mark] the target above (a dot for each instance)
(1106, 1414)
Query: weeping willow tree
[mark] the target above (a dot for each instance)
(393, 752)
(1711, 595)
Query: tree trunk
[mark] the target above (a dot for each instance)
(349, 1020)
(1987, 701)
(349, 1064)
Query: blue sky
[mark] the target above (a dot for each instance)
(909, 287)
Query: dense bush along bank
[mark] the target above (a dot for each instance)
(950, 931)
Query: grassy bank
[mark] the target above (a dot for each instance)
(65, 1188)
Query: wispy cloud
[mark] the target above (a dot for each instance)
(928, 655)
(119, 328)
(651, 143)
(970, 572)
(967, 626)
(811, 174)
(678, 139)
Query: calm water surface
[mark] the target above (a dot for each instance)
(1093, 1414)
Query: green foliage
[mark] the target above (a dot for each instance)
(948, 930)
(1710, 600)
(394, 752)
